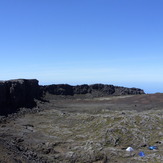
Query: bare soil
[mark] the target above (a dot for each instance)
(81, 129)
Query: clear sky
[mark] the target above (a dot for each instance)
(116, 42)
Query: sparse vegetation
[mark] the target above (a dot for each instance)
(82, 130)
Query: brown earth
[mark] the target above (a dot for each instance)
(81, 129)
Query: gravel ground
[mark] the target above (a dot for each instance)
(85, 130)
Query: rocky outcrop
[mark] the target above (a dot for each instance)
(22, 92)
(17, 93)
(96, 90)
(127, 91)
(60, 89)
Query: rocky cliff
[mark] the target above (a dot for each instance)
(96, 90)
(17, 93)
(21, 92)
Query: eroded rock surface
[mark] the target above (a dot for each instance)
(22, 92)
(95, 90)
(17, 93)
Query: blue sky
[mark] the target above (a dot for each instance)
(116, 42)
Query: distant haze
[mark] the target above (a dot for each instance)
(115, 42)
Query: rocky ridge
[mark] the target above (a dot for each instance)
(22, 92)
(96, 90)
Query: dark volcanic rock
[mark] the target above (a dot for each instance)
(81, 89)
(21, 92)
(102, 90)
(60, 89)
(96, 90)
(17, 93)
(128, 91)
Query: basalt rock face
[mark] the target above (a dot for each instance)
(22, 92)
(127, 91)
(18, 93)
(60, 89)
(96, 90)
(81, 89)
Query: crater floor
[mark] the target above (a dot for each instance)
(83, 130)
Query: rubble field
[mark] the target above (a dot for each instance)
(78, 129)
